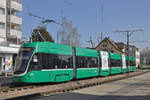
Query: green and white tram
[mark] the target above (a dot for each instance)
(39, 62)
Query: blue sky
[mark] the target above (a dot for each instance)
(86, 16)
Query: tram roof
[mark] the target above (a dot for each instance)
(49, 47)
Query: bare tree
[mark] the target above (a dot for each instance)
(91, 42)
(68, 34)
(99, 37)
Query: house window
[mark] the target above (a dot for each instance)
(104, 45)
(112, 51)
(2, 11)
(2, 25)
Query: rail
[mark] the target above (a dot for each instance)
(12, 92)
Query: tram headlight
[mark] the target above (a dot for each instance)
(35, 59)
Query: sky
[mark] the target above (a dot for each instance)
(90, 19)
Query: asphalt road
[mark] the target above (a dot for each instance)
(135, 88)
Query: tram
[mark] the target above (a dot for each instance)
(39, 62)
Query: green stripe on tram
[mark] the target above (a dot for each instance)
(85, 52)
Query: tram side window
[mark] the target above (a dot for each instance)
(132, 63)
(55, 61)
(66, 61)
(51, 61)
(86, 62)
(81, 62)
(115, 63)
(93, 62)
(47, 61)
(126, 62)
(100, 62)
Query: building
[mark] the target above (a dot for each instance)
(118, 47)
(109, 45)
(137, 55)
(10, 31)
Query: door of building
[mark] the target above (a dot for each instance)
(1, 63)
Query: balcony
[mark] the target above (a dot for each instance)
(3, 18)
(14, 33)
(2, 33)
(3, 3)
(14, 4)
(12, 50)
(14, 19)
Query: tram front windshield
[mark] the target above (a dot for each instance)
(22, 60)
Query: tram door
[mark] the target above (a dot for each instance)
(124, 62)
(104, 58)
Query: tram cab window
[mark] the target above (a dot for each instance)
(35, 63)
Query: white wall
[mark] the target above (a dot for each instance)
(2, 33)
(14, 19)
(3, 3)
(15, 5)
(3, 18)
(16, 33)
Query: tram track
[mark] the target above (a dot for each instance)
(20, 86)
(48, 89)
